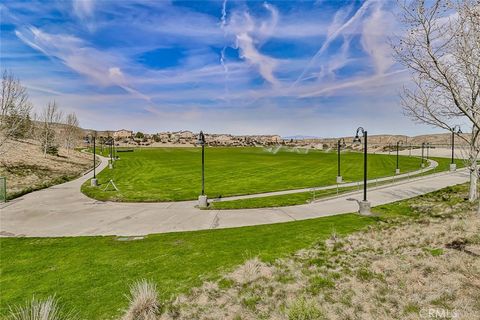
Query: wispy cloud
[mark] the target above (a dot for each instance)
(249, 33)
(100, 66)
(374, 37)
(83, 8)
(340, 25)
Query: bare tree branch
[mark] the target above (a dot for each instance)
(15, 109)
(441, 47)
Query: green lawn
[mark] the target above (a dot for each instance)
(92, 274)
(305, 197)
(171, 174)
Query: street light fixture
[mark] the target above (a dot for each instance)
(423, 148)
(397, 168)
(364, 205)
(455, 130)
(202, 199)
(340, 144)
(94, 181)
(110, 145)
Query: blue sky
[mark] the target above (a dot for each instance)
(319, 68)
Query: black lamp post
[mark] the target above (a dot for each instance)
(423, 148)
(94, 181)
(94, 166)
(110, 142)
(397, 168)
(340, 144)
(202, 143)
(202, 199)
(358, 140)
(455, 130)
(428, 150)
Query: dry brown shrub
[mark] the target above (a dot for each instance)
(143, 302)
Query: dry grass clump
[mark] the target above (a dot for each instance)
(39, 310)
(250, 271)
(143, 302)
(395, 270)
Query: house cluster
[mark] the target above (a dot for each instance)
(190, 138)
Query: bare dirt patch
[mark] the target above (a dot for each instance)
(27, 169)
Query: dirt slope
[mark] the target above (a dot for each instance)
(27, 169)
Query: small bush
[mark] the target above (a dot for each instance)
(251, 301)
(302, 309)
(143, 302)
(52, 150)
(39, 310)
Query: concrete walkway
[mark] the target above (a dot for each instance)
(63, 210)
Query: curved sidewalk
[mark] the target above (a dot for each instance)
(63, 210)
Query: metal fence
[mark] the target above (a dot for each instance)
(3, 189)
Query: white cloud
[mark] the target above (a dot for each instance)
(248, 34)
(376, 27)
(83, 8)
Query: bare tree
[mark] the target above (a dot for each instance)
(15, 109)
(49, 117)
(441, 48)
(71, 131)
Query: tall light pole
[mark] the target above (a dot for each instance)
(364, 205)
(340, 144)
(455, 130)
(110, 165)
(202, 199)
(94, 166)
(423, 148)
(94, 181)
(397, 168)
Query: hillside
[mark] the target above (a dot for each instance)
(27, 169)
(384, 139)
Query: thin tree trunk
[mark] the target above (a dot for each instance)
(473, 193)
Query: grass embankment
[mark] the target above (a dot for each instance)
(396, 269)
(172, 174)
(27, 169)
(92, 274)
(306, 197)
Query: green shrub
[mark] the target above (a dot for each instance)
(302, 309)
(52, 150)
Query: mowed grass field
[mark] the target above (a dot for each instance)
(173, 174)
